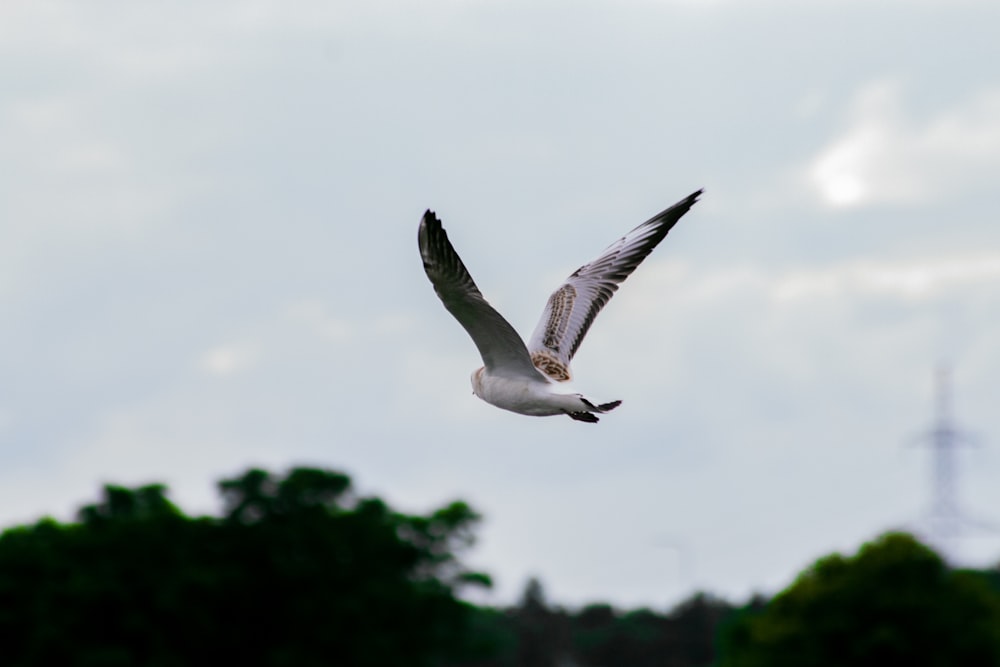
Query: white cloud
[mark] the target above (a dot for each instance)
(811, 103)
(53, 136)
(911, 280)
(886, 156)
(315, 316)
(230, 358)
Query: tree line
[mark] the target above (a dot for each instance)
(301, 570)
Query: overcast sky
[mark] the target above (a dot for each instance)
(208, 260)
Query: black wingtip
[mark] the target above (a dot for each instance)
(690, 200)
(428, 228)
(429, 224)
(687, 202)
(671, 215)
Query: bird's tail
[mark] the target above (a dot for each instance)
(588, 414)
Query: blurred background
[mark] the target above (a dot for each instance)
(208, 261)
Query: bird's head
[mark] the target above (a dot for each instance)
(477, 382)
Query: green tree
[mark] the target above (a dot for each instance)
(536, 633)
(543, 632)
(298, 571)
(683, 638)
(894, 603)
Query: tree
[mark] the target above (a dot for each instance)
(895, 602)
(297, 572)
(543, 633)
(536, 633)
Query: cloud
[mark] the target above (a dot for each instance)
(314, 315)
(913, 280)
(908, 280)
(230, 358)
(786, 327)
(886, 156)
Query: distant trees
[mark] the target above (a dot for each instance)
(894, 603)
(299, 571)
(535, 634)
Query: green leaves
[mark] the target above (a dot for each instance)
(258, 494)
(895, 602)
(298, 571)
(124, 504)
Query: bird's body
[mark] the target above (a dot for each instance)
(535, 395)
(529, 379)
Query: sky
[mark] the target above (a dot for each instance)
(208, 261)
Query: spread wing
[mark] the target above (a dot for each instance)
(502, 350)
(572, 308)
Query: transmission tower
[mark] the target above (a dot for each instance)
(945, 521)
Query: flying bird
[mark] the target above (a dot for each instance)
(528, 379)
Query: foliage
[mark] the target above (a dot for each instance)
(296, 572)
(301, 571)
(895, 602)
(535, 634)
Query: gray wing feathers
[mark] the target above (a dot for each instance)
(500, 346)
(572, 308)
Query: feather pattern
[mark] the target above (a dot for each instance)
(571, 309)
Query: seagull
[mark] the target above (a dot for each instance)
(529, 379)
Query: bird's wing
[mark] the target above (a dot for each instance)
(572, 308)
(502, 350)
